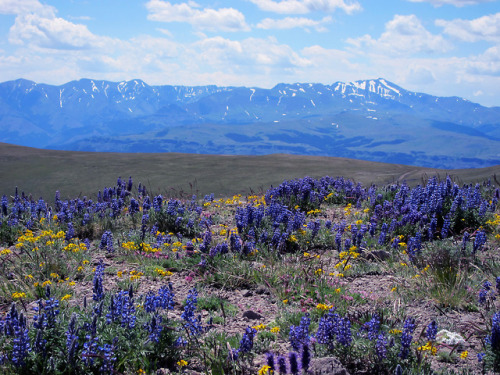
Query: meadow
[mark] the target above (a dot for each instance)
(314, 275)
(43, 172)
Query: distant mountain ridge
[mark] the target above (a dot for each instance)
(369, 119)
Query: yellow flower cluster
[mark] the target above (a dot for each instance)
(47, 235)
(496, 221)
(135, 275)
(313, 212)
(257, 200)
(428, 347)
(182, 363)
(17, 295)
(347, 209)
(265, 370)
(161, 272)
(75, 248)
(319, 272)
(260, 327)
(322, 306)
(130, 245)
(5, 252)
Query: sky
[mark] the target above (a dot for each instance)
(439, 47)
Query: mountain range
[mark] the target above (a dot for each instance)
(370, 119)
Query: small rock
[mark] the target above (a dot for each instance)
(327, 366)
(377, 255)
(251, 315)
(246, 293)
(262, 290)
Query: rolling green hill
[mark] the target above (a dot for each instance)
(42, 172)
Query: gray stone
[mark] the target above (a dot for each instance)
(327, 366)
(262, 290)
(251, 315)
(246, 293)
(377, 255)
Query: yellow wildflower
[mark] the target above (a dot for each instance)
(395, 331)
(182, 363)
(322, 306)
(45, 283)
(16, 295)
(285, 301)
(464, 354)
(67, 296)
(259, 327)
(5, 252)
(275, 330)
(265, 370)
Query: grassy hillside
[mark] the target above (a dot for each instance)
(42, 172)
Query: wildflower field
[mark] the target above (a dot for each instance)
(313, 276)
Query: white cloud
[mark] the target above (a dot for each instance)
(482, 28)
(292, 22)
(224, 19)
(250, 53)
(306, 6)
(457, 3)
(16, 7)
(403, 35)
(54, 33)
(488, 63)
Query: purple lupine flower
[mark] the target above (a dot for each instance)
(381, 346)
(373, 327)
(305, 359)
(344, 335)
(383, 234)
(300, 335)
(282, 365)
(431, 331)
(294, 363)
(192, 323)
(246, 343)
(270, 361)
(98, 291)
(109, 358)
(21, 345)
(406, 337)
(494, 338)
(479, 241)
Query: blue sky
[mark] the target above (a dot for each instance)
(441, 47)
